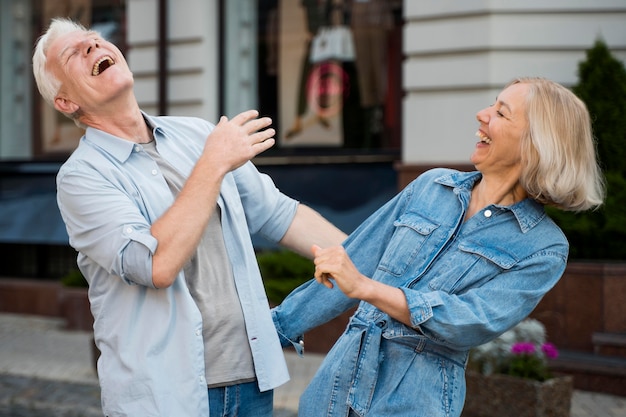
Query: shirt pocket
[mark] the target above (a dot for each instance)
(470, 266)
(411, 233)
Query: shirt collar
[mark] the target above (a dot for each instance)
(119, 148)
(528, 212)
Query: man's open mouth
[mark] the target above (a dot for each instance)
(101, 65)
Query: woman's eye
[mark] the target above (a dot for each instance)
(499, 114)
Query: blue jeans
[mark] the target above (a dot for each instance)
(241, 400)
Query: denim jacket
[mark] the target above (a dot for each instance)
(465, 282)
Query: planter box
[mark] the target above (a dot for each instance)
(75, 309)
(503, 395)
(29, 296)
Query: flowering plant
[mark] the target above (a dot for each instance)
(521, 351)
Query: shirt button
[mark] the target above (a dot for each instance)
(137, 148)
(154, 172)
(198, 332)
(487, 213)
(129, 230)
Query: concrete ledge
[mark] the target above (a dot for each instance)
(593, 372)
(611, 344)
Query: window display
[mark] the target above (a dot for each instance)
(334, 66)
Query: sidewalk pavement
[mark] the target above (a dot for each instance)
(47, 371)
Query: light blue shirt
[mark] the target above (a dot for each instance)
(109, 193)
(465, 282)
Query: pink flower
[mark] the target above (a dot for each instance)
(550, 350)
(523, 348)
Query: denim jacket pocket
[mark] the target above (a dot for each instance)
(470, 267)
(497, 255)
(411, 233)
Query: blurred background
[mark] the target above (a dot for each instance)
(393, 93)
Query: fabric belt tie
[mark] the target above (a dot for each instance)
(368, 362)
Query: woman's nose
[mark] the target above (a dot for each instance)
(483, 115)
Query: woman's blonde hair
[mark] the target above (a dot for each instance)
(47, 83)
(559, 164)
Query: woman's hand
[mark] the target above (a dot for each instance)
(334, 263)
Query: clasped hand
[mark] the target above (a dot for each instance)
(334, 263)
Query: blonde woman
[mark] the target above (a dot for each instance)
(450, 263)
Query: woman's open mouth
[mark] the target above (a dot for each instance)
(483, 138)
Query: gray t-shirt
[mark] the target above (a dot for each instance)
(209, 276)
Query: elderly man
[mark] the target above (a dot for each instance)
(160, 210)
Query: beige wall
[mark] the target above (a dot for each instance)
(192, 55)
(459, 54)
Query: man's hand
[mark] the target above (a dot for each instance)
(236, 141)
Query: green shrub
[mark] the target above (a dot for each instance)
(599, 235)
(74, 278)
(283, 271)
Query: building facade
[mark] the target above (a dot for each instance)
(459, 54)
(355, 122)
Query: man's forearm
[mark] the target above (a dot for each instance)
(309, 228)
(180, 228)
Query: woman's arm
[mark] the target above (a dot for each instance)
(334, 263)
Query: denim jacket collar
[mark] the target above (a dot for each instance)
(528, 212)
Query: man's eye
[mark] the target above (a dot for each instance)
(70, 54)
(499, 113)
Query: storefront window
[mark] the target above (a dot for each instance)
(329, 72)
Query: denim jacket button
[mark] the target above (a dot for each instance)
(487, 213)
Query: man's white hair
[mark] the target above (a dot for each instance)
(47, 83)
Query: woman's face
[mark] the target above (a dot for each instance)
(501, 127)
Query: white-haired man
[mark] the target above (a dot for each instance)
(160, 210)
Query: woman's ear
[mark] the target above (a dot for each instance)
(65, 106)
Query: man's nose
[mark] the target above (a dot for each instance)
(89, 45)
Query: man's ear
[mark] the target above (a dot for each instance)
(65, 106)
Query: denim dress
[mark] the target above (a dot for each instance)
(465, 282)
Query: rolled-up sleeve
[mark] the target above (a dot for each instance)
(105, 224)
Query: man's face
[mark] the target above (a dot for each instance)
(92, 71)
